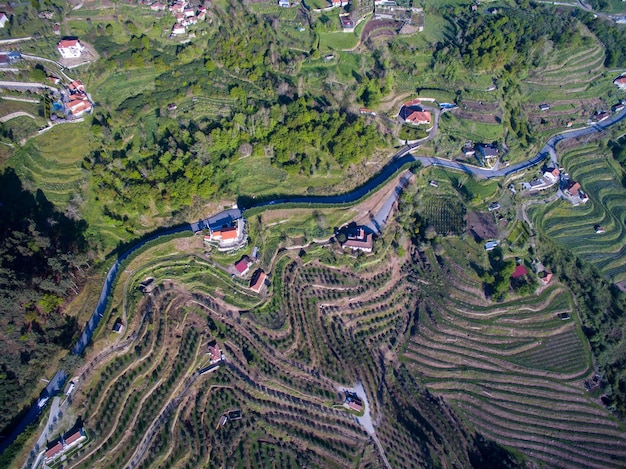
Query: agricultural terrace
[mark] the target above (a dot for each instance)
(514, 370)
(574, 227)
(412, 327)
(146, 405)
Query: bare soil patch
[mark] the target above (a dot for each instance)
(480, 106)
(483, 118)
(481, 225)
(377, 28)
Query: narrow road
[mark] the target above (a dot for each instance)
(13, 115)
(43, 59)
(402, 157)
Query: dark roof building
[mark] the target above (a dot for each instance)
(360, 240)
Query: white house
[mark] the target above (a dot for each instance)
(178, 29)
(3, 19)
(70, 48)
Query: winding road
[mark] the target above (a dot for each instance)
(404, 157)
(401, 158)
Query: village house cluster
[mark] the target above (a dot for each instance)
(184, 14)
(486, 154)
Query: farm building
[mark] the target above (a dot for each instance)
(545, 277)
(353, 402)
(65, 443)
(118, 326)
(243, 265)
(572, 188)
(551, 175)
(358, 239)
(620, 82)
(491, 245)
(258, 281)
(214, 352)
(227, 229)
(70, 48)
(347, 25)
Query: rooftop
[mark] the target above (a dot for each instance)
(519, 271)
(64, 43)
(258, 281)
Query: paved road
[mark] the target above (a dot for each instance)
(43, 59)
(401, 158)
(404, 156)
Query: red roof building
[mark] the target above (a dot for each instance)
(360, 241)
(258, 281)
(54, 451)
(215, 353)
(79, 106)
(419, 118)
(572, 188)
(75, 438)
(620, 82)
(243, 266)
(545, 277)
(346, 22)
(77, 86)
(519, 271)
(413, 102)
(70, 48)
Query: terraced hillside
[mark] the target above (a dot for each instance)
(574, 226)
(513, 369)
(53, 163)
(568, 73)
(443, 369)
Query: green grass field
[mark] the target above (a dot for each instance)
(451, 182)
(337, 41)
(52, 161)
(469, 130)
(121, 85)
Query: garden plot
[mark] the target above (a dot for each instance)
(445, 214)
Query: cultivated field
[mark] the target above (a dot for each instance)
(574, 227)
(436, 359)
(514, 369)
